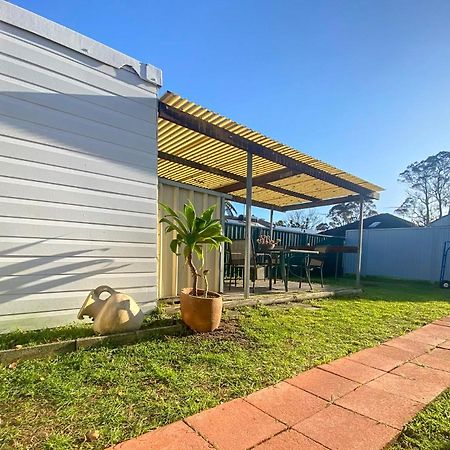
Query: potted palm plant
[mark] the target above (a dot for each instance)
(201, 309)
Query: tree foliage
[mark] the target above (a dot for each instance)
(428, 193)
(305, 220)
(345, 213)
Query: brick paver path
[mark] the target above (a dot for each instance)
(361, 401)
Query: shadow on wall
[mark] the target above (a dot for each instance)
(83, 162)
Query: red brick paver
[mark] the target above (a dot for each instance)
(287, 403)
(323, 384)
(235, 425)
(361, 401)
(341, 429)
(290, 440)
(352, 370)
(175, 436)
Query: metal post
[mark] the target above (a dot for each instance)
(248, 226)
(271, 224)
(360, 242)
(222, 247)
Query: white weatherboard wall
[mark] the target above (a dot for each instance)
(409, 253)
(78, 174)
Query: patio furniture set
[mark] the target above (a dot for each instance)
(271, 262)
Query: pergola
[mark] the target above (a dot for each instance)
(204, 149)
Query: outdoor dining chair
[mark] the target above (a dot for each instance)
(235, 262)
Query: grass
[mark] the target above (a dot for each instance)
(123, 392)
(430, 429)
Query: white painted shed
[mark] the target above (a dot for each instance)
(78, 156)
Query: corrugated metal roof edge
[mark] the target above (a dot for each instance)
(29, 21)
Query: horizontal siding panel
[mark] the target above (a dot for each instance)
(14, 227)
(32, 248)
(60, 265)
(69, 68)
(21, 70)
(20, 169)
(69, 213)
(31, 284)
(33, 132)
(77, 106)
(69, 159)
(40, 191)
(60, 301)
(24, 109)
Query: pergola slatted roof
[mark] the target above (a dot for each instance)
(199, 147)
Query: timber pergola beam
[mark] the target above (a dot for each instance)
(264, 180)
(201, 126)
(240, 180)
(331, 201)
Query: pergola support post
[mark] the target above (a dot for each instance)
(248, 226)
(222, 247)
(360, 242)
(271, 223)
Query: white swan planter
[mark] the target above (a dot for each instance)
(116, 314)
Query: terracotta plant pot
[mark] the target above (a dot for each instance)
(199, 313)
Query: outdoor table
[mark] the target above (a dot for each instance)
(283, 253)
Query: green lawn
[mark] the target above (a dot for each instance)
(123, 392)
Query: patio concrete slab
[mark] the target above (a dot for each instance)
(340, 429)
(287, 403)
(382, 406)
(361, 401)
(235, 425)
(323, 384)
(290, 440)
(352, 370)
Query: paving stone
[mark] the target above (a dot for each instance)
(445, 345)
(380, 405)
(422, 392)
(433, 362)
(415, 347)
(175, 436)
(441, 353)
(421, 373)
(352, 370)
(287, 403)
(290, 440)
(340, 429)
(324, 384)
(376, 358)
(235, 425)
(436, 330)
(425, 337)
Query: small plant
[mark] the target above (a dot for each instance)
(193, 233)
(266, 240)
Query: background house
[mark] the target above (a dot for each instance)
(442, 222)
(379, 221)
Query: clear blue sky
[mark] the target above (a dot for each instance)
(363, 85)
